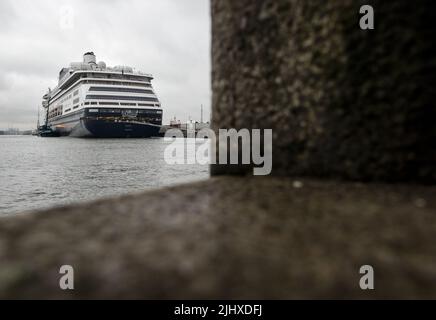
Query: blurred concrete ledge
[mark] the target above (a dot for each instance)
(229, 237)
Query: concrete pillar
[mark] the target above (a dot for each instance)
(342, 102)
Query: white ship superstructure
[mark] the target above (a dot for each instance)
(93, 100)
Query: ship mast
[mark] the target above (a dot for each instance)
(37, 124)
(201, 114)
(48, 107)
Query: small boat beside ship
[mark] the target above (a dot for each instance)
(93, 100)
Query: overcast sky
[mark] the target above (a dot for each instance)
(167, 38)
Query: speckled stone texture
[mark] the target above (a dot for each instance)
(343, 102)
(229, 238)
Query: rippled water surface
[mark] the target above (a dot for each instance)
(43, 172)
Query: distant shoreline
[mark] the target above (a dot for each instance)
(17, 134)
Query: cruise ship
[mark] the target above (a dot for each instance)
(93, 100)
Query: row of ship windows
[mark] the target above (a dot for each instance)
(74, 108)
(66, 98)
(111, 104)
(141, 118)
(108, 76)
(118, 83)
(126, 111)
(122, 104)
(112, 89)
(105, 97)
(70, 96)
(115, 83)
(58, 111)
(55, 113)
(112, 76)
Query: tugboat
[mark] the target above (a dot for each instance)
(45, 131)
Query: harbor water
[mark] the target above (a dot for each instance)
(38, 173)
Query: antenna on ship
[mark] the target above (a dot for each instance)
(37, 124)
(48, 107)
(201, 114)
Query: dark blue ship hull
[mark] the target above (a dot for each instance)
(103, 125)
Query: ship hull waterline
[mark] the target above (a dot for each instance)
(90, 128)
(81, 125)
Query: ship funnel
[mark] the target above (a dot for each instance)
(89, 58)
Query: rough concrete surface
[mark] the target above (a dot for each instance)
(342, 102)
(229, 238)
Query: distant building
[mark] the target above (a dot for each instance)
(175, 123)
(2, 133)
(12, 131)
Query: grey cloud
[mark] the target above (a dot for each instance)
(170, 39)
(4, 84)
(7, 14)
